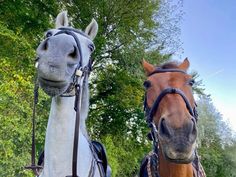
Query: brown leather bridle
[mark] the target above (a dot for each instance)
(80, 75)
(150, 111)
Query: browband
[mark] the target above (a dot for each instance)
(160, 70)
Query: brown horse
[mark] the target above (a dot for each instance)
(170, 111)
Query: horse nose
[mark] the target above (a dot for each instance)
(55, 46)
(188, 130)
(43, 46)
(192, 130)
(164, 129)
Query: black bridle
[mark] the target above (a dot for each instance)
(150, 111)
(79, 77)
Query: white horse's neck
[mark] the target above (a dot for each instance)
(60, 137)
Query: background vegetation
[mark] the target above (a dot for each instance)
(128, 32)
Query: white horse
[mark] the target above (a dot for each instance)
(62, 56)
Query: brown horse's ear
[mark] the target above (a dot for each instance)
(149, 68)
(184, 65)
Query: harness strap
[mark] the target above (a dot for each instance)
(160, 97)
(92, 168)
(149, 167)
(35, 168)
(150, 112)
(76, 131)
(76, 86)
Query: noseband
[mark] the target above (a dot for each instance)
(71, 32)
(80, 70)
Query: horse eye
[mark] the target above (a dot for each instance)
(49, 34)
(91, 47)
(191, 82)
(147, 84)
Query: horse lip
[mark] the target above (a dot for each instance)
(180, 161)
(48, 80)
(51, 82)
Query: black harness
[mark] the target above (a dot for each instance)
(152, 158)
(79, 77)
(150, 112)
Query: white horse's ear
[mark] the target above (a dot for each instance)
(92, 29)
(62, 19)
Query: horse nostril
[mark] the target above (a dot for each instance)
(45, 45)
(193, 130)
(73, 53)
(164, 129)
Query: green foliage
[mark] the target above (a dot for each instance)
(215, 141)
(113, 103)
(28, 18)
(116, 115)
(198, 85)
(125, 29)
(16, 75)
(127, 33)
(124, 154)
(15, 87)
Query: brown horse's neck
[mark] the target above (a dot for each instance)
(168, 169)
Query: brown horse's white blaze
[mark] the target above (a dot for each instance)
(177, 127)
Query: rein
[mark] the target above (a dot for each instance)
(150, 112)
(79, 77)
(35, 168)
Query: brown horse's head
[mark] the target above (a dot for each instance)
(176, 125)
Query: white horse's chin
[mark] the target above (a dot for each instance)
(53, 88)
(52, 91)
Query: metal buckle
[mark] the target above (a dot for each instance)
(34, 168)
(79, 72)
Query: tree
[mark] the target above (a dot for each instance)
(169, 17)
(15, 88)
(20, 24)
(215, 141)
(127, 32)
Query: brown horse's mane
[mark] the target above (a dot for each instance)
(169, 65)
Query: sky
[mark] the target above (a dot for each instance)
(208, 33)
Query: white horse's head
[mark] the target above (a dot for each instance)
(63, 51)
